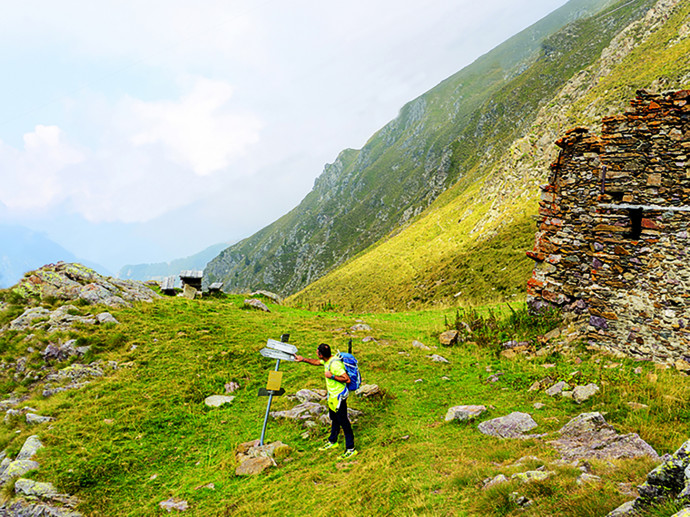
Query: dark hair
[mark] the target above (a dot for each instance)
(325, 350)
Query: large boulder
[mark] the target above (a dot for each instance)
(513, 425)
(589, 436)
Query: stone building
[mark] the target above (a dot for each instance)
(612, 243)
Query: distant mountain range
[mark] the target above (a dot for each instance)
(22, 250)
(159, 270)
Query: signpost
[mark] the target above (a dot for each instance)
(279, 350)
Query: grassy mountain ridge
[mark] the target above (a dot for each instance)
(365, 194)
(469, 246)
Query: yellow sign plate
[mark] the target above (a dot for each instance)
(274, 380)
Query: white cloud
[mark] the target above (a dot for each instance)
(32, 178)
(151, 158)
(198, 131)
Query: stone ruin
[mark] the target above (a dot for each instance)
(611, 247)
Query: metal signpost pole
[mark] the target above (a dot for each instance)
(284, 338)
(268, 408)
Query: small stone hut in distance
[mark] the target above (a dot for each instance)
(612, 242)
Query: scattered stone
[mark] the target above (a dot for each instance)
(174, 503)
(489, 482)
(369, 391)
(360, 327)
(519, 500)
(624, 510)
(218, 400)
(582, 393)
(637, 406)
(420, 345)
(256, 304)
(509, 426)
(268, 294)
(537, 405)
(437, 358)
(30, 448)
(587, 478)
(590, 436)
(304, 411)
(369, 339)
(106, 317)
(32, 418)
(449, 337)
(253, 466)
(464, 413)
(305, 395)
(557, 388)
(532, 475)
(31, 488)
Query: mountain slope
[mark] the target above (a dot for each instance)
(470, 244)
(365, 194)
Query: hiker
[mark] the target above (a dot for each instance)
(336, 379)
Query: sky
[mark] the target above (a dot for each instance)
(136, 131)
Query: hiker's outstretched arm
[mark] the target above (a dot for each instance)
(313, 362)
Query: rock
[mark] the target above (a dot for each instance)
(437, 358)
(27, 318)
(304, 411)
(18, 468)
(24, 508)
(360, 327)
(509, 426)
(271, 296)
(537, 405)
(369, 391)
(449, 337)
(519, 500)
(174, 504)
(464, 413)
(488, 483)
(582, 393)
(557, 388)
(587, 478)
(420, 345)
(256, 304)
(532, 475)
(305, 395)
(624, 510)
(30, 448)
(218, 400)
(31, 488)
(32, 419)
(253, 466)
(590, 436)
(189, 292)
(685, 512)
(106, 317)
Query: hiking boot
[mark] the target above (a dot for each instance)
(349, 453)
(327, 445)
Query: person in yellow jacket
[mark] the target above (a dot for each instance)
(336, 379)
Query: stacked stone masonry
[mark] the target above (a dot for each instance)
(612, 238)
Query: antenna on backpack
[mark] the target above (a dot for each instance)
(349, 346)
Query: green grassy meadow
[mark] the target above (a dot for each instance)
(142, 434)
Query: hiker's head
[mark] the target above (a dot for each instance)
(324, 351)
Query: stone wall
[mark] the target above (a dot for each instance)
(612, 241)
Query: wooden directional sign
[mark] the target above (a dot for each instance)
(283, 347)
(276, 354)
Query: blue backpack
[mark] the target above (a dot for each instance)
(352, 370)
(351, 367)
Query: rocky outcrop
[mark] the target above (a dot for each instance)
(589, 436)
(69, 281)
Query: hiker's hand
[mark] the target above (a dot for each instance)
(329, 375)
(299, 358)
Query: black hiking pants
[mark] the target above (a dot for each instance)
(339, 419)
